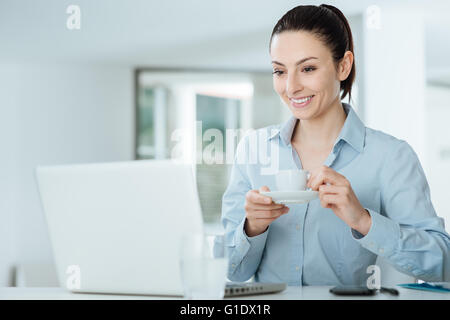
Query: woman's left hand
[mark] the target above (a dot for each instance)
(336, 193)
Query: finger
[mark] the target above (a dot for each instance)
(265, 207)
(324, 176)
(328, 200)
(255, 197)
(312, 176)
(265, 189)
(268, 221)
(328, 188)
(259, 214)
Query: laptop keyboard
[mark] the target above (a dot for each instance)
(249, 288)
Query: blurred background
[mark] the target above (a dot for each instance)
(129, 79)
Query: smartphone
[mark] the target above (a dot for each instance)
(352, 291)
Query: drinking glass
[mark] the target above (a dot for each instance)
(203, 266)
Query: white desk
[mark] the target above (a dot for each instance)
(291, 293)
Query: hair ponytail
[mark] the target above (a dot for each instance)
(346, 85)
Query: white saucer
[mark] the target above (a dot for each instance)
(290, 197)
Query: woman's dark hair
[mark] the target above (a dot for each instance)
(329, 24)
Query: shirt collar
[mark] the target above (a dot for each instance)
(353, 131)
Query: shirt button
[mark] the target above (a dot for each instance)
(297, 227)
(233, 265)
(297, 268)
(381, 250)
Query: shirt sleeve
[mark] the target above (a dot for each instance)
(244, 252)
(407, 231)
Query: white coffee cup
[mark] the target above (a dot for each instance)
(291, 180)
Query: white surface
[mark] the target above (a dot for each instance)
(291, 197)
(291, 293)
(120, 223)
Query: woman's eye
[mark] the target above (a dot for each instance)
(305, 69)
(309, 69)
(277, 72)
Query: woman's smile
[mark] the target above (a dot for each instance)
(301, 103)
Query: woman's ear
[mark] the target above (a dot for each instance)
(345, 65)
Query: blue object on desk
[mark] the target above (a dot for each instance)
(425, 286)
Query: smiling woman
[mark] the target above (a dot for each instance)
(328, 25)
(374, 198)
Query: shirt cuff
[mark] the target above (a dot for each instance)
(249, 245)
(383, 235)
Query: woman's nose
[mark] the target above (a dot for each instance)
(293, 85)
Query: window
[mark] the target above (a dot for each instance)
(145, 124)
(172, 105)
(152, 123)
(214, 114)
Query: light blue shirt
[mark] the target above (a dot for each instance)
(310, 245)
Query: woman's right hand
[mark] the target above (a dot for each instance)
(260, 211)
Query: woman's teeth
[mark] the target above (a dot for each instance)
(302, 100)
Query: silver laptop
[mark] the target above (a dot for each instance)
(115, 227)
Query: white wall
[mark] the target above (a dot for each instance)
(438, 149)
(394, 76)
(7, 166)
(54, 114)
(397, 101)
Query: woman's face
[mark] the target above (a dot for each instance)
(303, 67)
